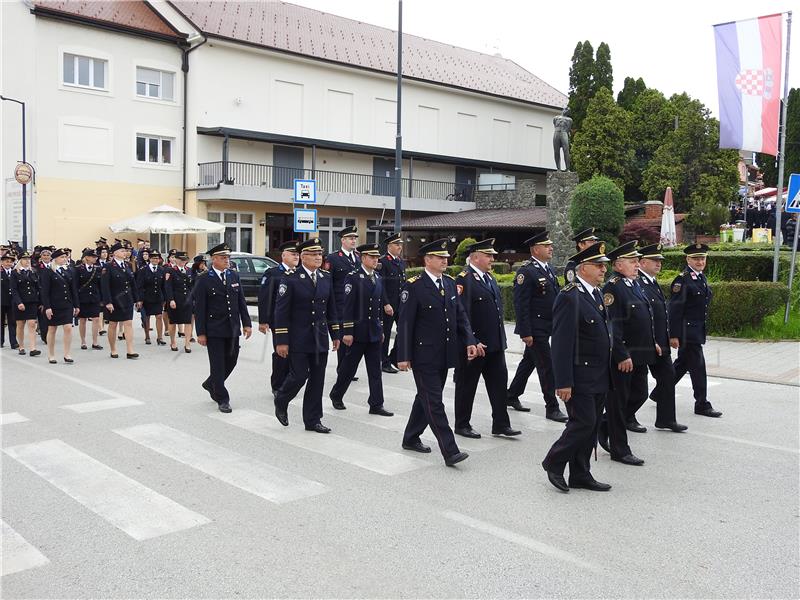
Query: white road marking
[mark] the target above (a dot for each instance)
(729, 438)
(11, 418)
(521, 540)
(78, 380)
(236, 469)
(87, 407)
(18, 554)
(333, 446)
(125, 503)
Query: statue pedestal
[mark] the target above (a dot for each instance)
(560, 186)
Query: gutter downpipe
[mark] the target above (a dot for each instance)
(185, 68)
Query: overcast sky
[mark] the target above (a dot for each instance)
(670, 44)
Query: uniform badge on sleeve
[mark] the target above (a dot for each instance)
(404, 296)
(520, 278)
(348, 288)
(608, 299)
(570, 275)
(676, 287)
(282, 289)
(460, 288)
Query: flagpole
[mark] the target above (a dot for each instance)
(782, 154)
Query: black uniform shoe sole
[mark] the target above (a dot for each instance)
(318, 428)
(132, 356)
(468, 433)
(225, 408)
(339, 405)
(558, 482)
(676, 427)
(507, 433)
(421, 448)
(710, 412)
(594, 486)
(451, 461)
(634, 461)
(517, 406)
(559, 418)
(382, 412)
(636, 427)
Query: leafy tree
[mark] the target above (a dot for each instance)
(603, 146)
(652, 118)
(631, 90)
(581, 74)
(768, 163)
(603, 72)
(639, 231)
(598, 203)
(461, 251)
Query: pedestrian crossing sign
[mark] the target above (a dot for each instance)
(793, 197)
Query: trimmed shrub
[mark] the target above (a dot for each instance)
(734, 266)
(501, 268)
(638, 231)
(461, 251)
(598, 203)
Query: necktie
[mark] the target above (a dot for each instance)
(638, 289)
(488, 281)
(441, 289)
(596, 295)
(372, 278)
(314, 278)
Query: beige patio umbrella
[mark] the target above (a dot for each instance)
(668, 234)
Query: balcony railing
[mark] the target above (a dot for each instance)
(252, 174)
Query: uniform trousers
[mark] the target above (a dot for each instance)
(305, 369)
(537, 357)
(280, 369)
(387, 357)
(371, 352)
(575, 445)
(495, 377)
(664, 391)
(428, 410)
(223, 353)
(691, 359)
(7, 320)
(628, 395)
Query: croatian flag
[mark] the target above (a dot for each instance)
(749, 83)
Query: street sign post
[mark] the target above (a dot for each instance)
(792, 206)
(793, 196)
(305, 220)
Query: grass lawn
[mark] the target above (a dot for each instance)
(773, 327)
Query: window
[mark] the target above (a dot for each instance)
(238, 230)
(329, 228)
(85, 71)
(154, 149)
(151, 83)
(160, 241)
(371, 236)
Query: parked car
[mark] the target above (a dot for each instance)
(250, 268)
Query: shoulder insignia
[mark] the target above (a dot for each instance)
(302, 275)
(537, 265)
(570, 275)
(348, 287)
(412, 279)
(614, 279)
(676, 287)
(527, 262)
(449, 276)
(282, 289)
(166, 275)
(463, 273)
(404, 296)
(608, 299)
(569, 287)
(459, 289)
(520, 278)
(361, 275)
(324, 271)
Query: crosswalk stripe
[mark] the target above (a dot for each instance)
(18, 554)
(87, 407)
(125, 503)
(333, 446)
(238, 470)
(11, 418)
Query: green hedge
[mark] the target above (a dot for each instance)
(735, 305)
(734, 266)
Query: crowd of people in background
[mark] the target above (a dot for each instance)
(761, 215)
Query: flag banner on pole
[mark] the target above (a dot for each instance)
(749, 83)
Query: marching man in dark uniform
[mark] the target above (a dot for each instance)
(662, 369)
(177, 292)
(482, 301)
(150, 284)
(305, 315)
(267, 294)
(340, 265)
(634, 348)
(582, 344)
(118, 288)
(220, 312)
(535, 289)
(393, 272)
(362, 330)
(59, 302)
(432, 332)
(583, 240)
(688, 312)
(6, 310)
(87, 276)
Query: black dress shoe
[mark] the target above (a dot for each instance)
(379, 410)
(389, 369)
(148, 342)
(96, 347)
(281, 415)
(602, 439)
(674, 426)
(708, 412)
(224, 407)
(14, 346)
(506, 431)
(556, 415)
(629, 459)
(635, 426)
(21, 350)
(132, 355)
(318, 428)
(517, 405)
(338, 404)
(453, 460)
(69, 361)
(34, 353)
(417, 447)
(467, 432)
(557, 479)
(589, 483)
(84, 347)
(161, 342)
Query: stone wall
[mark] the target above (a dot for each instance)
(524, 196)
(560, 187)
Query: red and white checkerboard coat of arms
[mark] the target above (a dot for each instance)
(756, 82)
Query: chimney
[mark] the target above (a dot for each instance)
(653, 209)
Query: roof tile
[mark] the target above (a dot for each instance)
(132, 14)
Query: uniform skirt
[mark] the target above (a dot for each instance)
(89, 310)
(181, 315)
(152, 309)
(61, 316)
(30, 313)
(119, 315)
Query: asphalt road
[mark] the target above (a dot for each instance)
(121, 480)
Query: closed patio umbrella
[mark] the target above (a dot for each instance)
(166, 219)
(668, 233)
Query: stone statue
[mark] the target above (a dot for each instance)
(562, 124)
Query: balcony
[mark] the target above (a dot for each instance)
(257, 182)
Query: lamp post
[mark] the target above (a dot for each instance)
(24, 186)
(398, 148)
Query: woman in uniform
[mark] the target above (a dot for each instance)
(150, 285)
(178, 289)
(24, 285)
(118, 290)
(87, 276)
(199, 266)
(60, 303)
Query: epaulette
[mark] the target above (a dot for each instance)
(324, 271)
(614, 279)
(450, 276)
(527, 262)
(412, 279)
(463, 273)
(570, 286)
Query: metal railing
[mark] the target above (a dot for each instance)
(253, 174)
